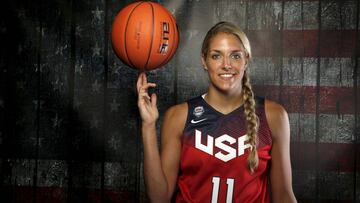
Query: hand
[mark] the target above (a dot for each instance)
(147, 105)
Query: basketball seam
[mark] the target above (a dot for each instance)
(152, 36)
(125, 39)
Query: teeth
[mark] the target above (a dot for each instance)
(226, 75)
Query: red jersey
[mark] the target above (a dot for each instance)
(213, 163)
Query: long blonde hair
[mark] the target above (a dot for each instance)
(252, 120)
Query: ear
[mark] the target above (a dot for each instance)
(203, 62)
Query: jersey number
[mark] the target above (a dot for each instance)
(216, 186)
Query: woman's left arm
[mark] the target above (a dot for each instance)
(280, 171)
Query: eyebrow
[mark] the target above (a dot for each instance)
(218, 51)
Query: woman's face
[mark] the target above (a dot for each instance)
(225, 62)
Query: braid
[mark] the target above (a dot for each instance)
(252, 121)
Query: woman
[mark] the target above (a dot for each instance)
(222, 146)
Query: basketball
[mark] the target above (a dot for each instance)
(145, 35)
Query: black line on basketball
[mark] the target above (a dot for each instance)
(152, 35)
(125, 39)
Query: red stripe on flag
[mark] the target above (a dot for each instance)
(302, 99)
(332, 156)
(300, 43)
(24, 194)
(303, 43)
(323, 201)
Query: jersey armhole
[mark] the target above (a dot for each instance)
(267, 121)
(187, 116)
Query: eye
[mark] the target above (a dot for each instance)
(215, 56)
(238, 55)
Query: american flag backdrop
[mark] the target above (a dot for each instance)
(69, 125)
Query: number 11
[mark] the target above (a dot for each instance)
(216, 186)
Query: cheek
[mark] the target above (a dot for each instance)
(211, 66)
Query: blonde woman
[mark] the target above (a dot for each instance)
(223, 146)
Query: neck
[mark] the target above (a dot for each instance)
(222, 101)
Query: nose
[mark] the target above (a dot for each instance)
(227, 63)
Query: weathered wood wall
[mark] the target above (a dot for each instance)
(68, 115)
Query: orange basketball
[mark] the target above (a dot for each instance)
(145, 35)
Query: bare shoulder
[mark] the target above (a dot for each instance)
(274, 110)
(277, 118)
(177, 112)
(175, 118)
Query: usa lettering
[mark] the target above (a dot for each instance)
(224, 143)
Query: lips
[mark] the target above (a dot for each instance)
(227, 75)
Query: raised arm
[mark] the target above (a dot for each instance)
(160, 169)
(280, 172)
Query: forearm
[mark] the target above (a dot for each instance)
(155, 180)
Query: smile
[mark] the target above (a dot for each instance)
(226, 75)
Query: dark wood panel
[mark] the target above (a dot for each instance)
(69, 123)
(21, 33)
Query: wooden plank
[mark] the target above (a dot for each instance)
(293, 15)
(55, 60)
(333, 128)
(19, 172)
(333, 100)
(338, 15)
(122, 145)
(332, 183)
(261, 76)
(300, 15)
(229, 11)
(19, 82)
(302, 127)
(302, 43)
(299, 71)
(192, 79)
(87, 140)
(20, 76)
(105, 117)
(339, 157)
(337, 72)
(304, 184)
(88, 98)
(265, 15)
(331, 18)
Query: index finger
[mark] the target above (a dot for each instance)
(144, 79)
(139, 82)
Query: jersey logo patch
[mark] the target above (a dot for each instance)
(223, 142)
(198, 111)
(198, 121)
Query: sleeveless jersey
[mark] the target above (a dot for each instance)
(213, 162)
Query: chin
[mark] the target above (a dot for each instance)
(225, 88)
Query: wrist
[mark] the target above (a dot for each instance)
(148, 125)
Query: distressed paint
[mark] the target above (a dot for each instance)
(293, 15)
(336, 128)
(299, 71)
(234, 11)
(333, 100)
(334, 156)
(337, 72)
(337, 182)
(338, 15)
(263, 71)
(97, 156)
(265, 15)
(53, 82)
(302, 127)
